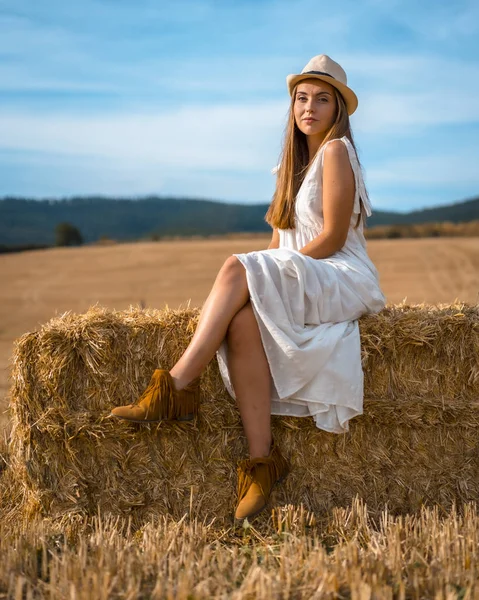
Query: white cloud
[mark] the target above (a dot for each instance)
(429, 171)
(403, 114)
(45, 174)
(234, 137)
(398, 94)
(93, 42)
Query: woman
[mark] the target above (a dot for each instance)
(283, 321)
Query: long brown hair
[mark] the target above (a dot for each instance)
(295, 163)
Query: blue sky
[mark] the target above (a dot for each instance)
(189, 98)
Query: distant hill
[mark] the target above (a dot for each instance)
(28, 221)
(459, 212)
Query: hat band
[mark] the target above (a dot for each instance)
(317, 73)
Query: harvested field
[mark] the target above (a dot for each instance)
(45, 283)
(95, 509)
(346, 554)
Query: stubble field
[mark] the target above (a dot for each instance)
(38, 285)
(350, 552)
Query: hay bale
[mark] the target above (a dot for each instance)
(417, 442)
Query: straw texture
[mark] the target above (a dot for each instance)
(417, 442)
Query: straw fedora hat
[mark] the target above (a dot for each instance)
(323, 67)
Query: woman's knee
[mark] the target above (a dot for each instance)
(232, 269)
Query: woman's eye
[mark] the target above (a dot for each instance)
(322, 98)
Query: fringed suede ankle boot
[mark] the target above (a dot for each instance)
(161, 401)
(256, 478)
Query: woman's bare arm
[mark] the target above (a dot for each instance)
(338, 199)
(274, 240)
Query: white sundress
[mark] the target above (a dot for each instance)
(307, 310)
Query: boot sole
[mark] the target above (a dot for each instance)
(188, 417)
(241, 520)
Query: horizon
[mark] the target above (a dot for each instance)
(199, 199)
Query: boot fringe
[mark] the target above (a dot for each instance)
(188, 400)
(170, 404)
(249, 471)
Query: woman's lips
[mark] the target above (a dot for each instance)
(309, 120)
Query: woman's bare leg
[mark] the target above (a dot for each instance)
(228, 312)
(228, 295)
(251, 379)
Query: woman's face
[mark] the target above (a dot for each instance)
(314, 107)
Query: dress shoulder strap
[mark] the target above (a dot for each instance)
(360, 191)
(358, 176)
